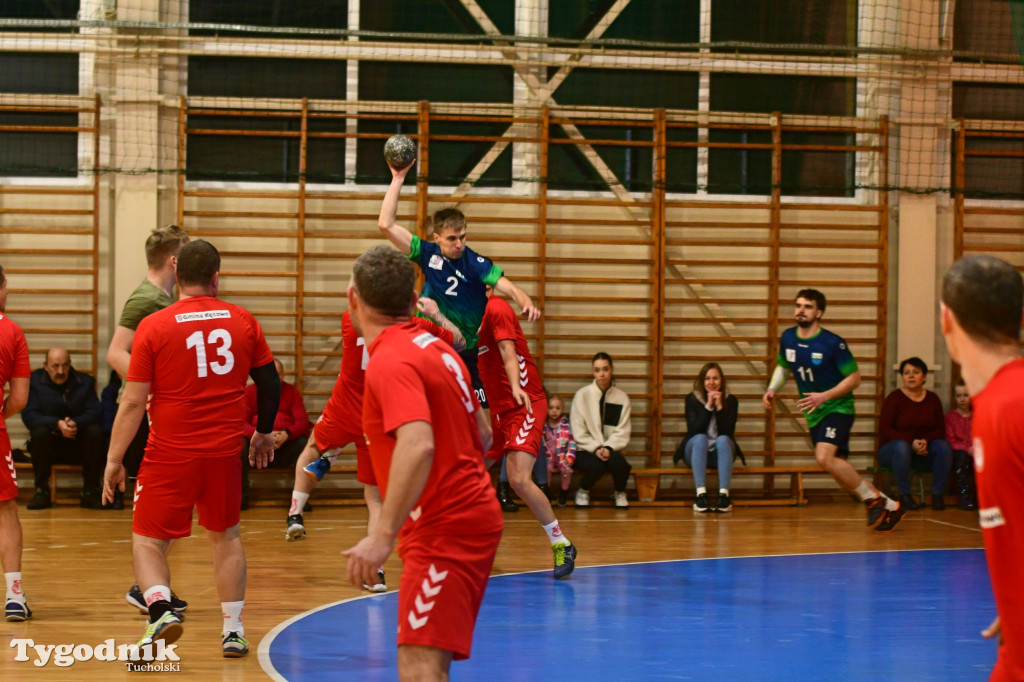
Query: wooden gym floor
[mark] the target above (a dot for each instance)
(77, 567)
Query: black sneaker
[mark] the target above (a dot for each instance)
(41, 500)
(90, 499)
(724, 504)
(938, 504)
(135, 598)
(876, 509)
(909, 503)
(565, 560)
(295, 529)
(563, 498)
(890, 520)
(505, 498)
(701, 505)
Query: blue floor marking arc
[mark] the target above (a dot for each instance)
(913, 614)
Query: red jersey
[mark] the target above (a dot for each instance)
(999, 464)
(196, 354)
(13, 356)
(345, 406)
(412, 376)
(501, 324)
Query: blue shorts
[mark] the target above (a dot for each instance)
(834, 429)
(469, 357)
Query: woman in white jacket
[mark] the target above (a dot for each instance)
(601, 426)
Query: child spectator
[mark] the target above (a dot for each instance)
(958, 433)
(559, 445)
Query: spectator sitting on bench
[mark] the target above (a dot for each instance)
(958, 434)
(291, 429)
(711, 413)
(600, 418)
(63, 419)
(911, 434)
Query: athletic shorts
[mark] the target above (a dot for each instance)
(834, 429)
(167, 492)
(497, 450)
(443, 583)
(330, 436)
(469, 358)
(8, 477)
(521, 430)
(1006, 670)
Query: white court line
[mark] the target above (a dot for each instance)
(954, 525)
(263, 651)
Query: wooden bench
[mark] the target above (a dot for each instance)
(647, 481)
(54, 470)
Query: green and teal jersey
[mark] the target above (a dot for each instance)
(458, 286)
(818, 364)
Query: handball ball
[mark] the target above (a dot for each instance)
(399, 151)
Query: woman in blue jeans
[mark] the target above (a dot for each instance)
(710, 424)
(911, 434)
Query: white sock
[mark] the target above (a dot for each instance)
(555, 534)
(14, 590)
(701, 490)
(864, 491)
(723, 491)
(298, 502)
(157, 593)
(890, 503)
(232, 611)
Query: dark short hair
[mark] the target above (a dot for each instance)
(602, 356)
(163, 242)
(3, 277)
(198, 261)
(986, 295)
(385, 280)
(813, 295)
(448, 219)
(698, 383)
(915, 362)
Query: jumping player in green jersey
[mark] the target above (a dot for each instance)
(456, 277)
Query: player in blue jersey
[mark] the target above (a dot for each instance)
(456, 277)
(826, 375)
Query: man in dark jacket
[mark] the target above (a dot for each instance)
(63, 417)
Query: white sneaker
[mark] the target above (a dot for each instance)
(620, 500)
(582, 498)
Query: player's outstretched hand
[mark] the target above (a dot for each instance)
(396, 173)
(113, 479)
(994, 630)
(428, 307)
(531, 313)
(365, 558)
(261, 450)
(768, 399)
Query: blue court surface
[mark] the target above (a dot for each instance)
(909, 615)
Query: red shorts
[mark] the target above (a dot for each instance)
(521, 430)
(1005, 670)
(167, 492)
(333, 434)
(497, 450)
(443, 583)
(8, 477)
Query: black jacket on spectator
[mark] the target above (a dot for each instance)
(48, 403)
(698, 418)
